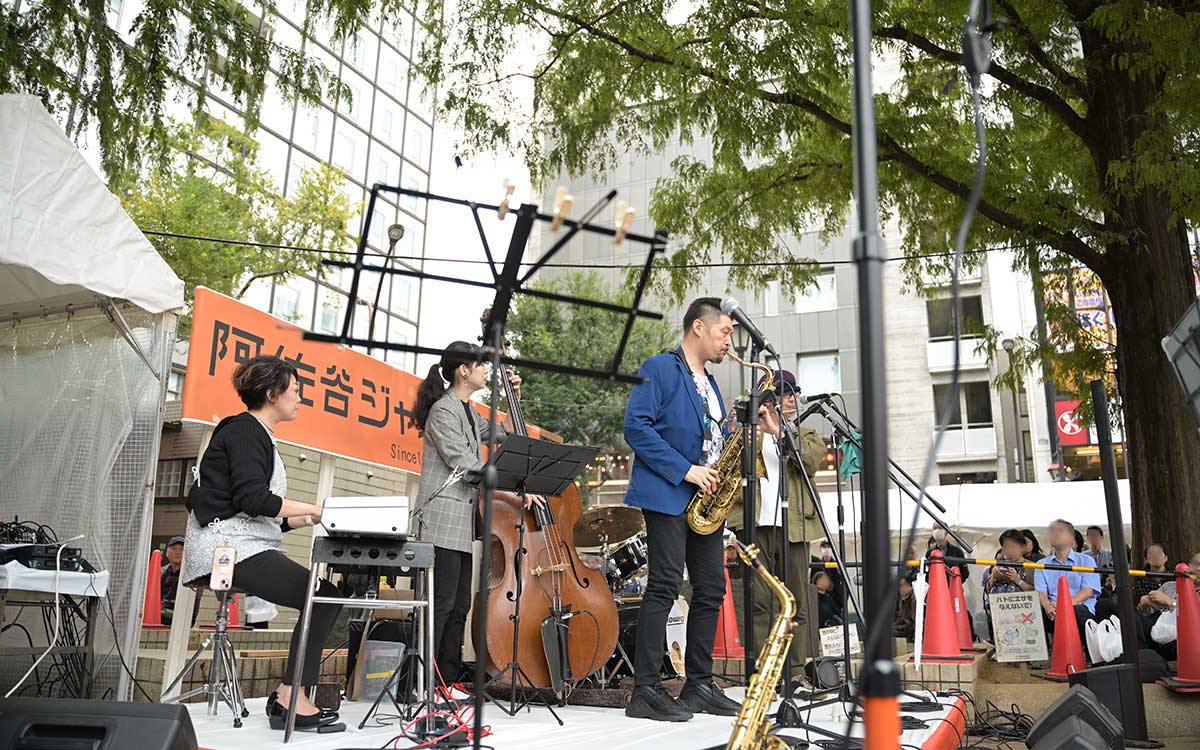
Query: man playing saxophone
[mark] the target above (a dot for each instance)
(803, 524)
(673, 423)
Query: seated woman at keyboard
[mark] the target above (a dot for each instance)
(239, 500)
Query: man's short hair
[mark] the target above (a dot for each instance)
(1160, 545)
(1013, 535)
(1064, 522)
(1096, 529)
(701, 308)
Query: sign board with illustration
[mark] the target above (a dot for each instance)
(1017, 624)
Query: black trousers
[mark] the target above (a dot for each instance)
(670, 543)
(273, 576)
(451, 605)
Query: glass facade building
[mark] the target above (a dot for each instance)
(382, 132)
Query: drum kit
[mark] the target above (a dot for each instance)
(612, 540)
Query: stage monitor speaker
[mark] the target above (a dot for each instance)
(1076, 721)
(1114, 685)
(71, 724)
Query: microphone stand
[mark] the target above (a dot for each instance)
(749, 423)
(843, 425)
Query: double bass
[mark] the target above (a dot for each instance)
(568, 619)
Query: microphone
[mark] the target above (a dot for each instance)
(731, 308)
(816, 397)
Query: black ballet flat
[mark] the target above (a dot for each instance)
(325, 721)
(273, 701)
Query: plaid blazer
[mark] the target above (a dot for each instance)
(446, 517)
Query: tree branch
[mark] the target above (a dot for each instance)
(1055, 103)
(1076, 85)
(1065, 241)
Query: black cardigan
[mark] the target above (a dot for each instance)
(235, 473)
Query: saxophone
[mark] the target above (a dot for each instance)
(753, 721)
(706, 512)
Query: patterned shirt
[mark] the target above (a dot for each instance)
(714, 438)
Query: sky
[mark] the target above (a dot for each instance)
(451, 312)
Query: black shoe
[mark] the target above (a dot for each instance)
(273, 702)
(708, 699)
(277, 716)
(656, 703)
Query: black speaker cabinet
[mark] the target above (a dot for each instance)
(1076, 721)
(70, 724)
(1117, 688)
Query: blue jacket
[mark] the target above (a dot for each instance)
(664, 425)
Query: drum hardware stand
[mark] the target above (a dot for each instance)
(506, 281)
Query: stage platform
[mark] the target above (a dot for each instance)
(583, 728)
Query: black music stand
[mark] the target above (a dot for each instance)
(510, 278)
(527, 465)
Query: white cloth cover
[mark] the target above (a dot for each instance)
(16, 577)
(64, 238)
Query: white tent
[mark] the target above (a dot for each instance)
(87, 321)
(64, 238)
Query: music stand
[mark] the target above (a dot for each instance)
(530, 466)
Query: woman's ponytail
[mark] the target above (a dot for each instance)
(434, 386)
(431, 389)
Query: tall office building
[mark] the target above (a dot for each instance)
(382, 133)
(991, 433)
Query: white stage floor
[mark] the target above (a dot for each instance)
(584, 727)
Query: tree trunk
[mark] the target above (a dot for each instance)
(1149, 277)
(1150, 292)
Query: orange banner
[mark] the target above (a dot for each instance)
(350, 404)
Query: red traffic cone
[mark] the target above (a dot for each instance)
(152, 606)
(728, 643)
(1068, 651)
(1187, 625)
(940, 641)
(962, 620)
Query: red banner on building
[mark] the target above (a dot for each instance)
(350, 404)
(1071, 431)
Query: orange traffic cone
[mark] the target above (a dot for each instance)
(728, 643)
(152, 606)
(940, 641)
(1188, 641)
(962, 615)
(235, 620)
(1068, 651)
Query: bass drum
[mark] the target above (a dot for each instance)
(675, 639)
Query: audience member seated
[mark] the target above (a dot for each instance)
(828, 608)
(1033, 550)
(1003, 580)
(170, 577)
(1155, 555)
(835, 575)
(1096, 548)
(938, 540)
(1159, 601)
(1082, 586)
(905, 624)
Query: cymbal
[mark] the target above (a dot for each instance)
(616, 522)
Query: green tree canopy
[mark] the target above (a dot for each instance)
(215, 188)
(1094, 148)
(582, 411)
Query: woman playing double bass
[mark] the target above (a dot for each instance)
(453, 432)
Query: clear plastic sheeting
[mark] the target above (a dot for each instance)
(79, 433)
